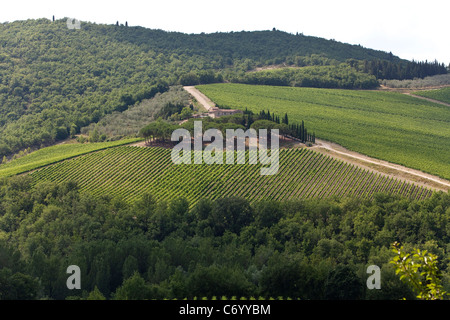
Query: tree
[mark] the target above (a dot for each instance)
(130, 266)
(145, 206)
(101, 273)
(343, 284)
(133, 288)
(230, 214)
(267, 213)
(73, 130)
(94, 135)
(186, 113)
(264, 124)
(17, 286)
(126, 100)
(216, 280)
(189, 79)
(177, 284)
(419, 268)
(4, 149)
(96, 295)
(285, 119)
(159, 130)
(202, 209)
(61, 133)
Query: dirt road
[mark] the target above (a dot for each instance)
(200, 97)
(376, 165)
(409, 92)
(428, 99)
(381, 166)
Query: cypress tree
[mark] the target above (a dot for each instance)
(302, 132)
(249, 121)
(286, 121)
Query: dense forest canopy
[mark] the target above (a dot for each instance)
(267, 47)
(55, 80)
(331, 76)
(301, 249)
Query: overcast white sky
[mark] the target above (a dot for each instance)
(411, 29)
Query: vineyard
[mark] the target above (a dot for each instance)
(129, 172)
(440, 94)
(53, 154)
(384, 125)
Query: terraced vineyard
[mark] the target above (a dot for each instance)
(129, 172)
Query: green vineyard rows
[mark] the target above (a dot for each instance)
(53, 154)
(442, 94)
(385, 125)
(129, 172)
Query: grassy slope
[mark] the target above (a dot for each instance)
(440, 94)
(49, 155)
(129, 172)
(384, 125)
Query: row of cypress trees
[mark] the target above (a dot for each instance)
(297, 130)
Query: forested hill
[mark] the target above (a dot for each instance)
(55, 80)
(262, 46)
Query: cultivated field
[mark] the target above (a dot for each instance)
(49, 155)
(386, 125)
(129, 172)
(438, 94)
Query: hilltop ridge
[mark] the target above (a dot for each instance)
(55, 80)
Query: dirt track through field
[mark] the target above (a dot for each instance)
(381, 166)
(376, 165)
(428, 99)
(200, 97)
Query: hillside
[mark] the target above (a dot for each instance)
(55, 80)
(442, 95)
(46, 156)
(261, 46)
(299, 249)
(131, 172)
(384, 125)
(137, 226)
(329, 76)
